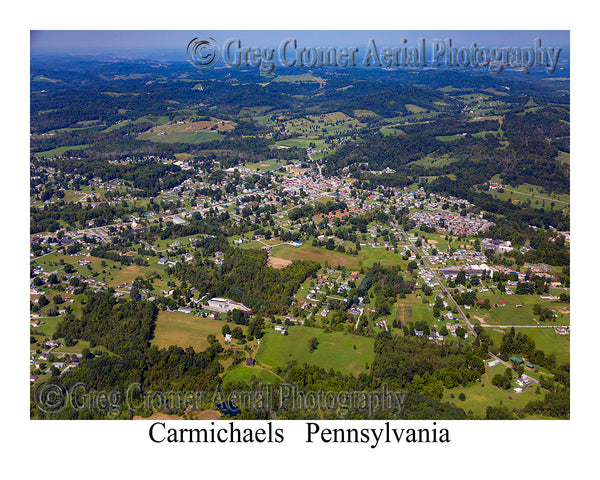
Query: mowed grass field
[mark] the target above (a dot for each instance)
(243, 374)
(59, 150)
(183, 330)
(479, 397)
(335, 350)
(545, 339)
(510, 314)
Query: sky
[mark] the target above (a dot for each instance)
(141, 42)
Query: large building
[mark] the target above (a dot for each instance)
(226, 305)
(452, 272)
(498, 246)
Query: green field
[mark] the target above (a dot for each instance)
(59, 150)
(391, 131)
(315, 126)
(302, 143)
(244, 374)
(265, 166)
(183, 137)
(183, 330)
(479, 397)
(335, 350)
(536, 195)
(545, 339)
(510, 314)
(371, 255)
(435, 161)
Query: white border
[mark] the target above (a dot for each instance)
(490, 449)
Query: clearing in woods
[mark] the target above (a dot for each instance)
(276, 262)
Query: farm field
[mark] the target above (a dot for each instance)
(335, 350)
(183, 330)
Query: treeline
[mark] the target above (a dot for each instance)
(117, 326)
(309, 210)
(311, 378)
(416, 364)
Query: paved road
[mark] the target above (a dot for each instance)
(434, 275)
(509, 365)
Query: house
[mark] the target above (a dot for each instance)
(250, 362)
(281, 329)
(228, 337)
(52, 343)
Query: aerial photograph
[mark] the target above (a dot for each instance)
(299, 225)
